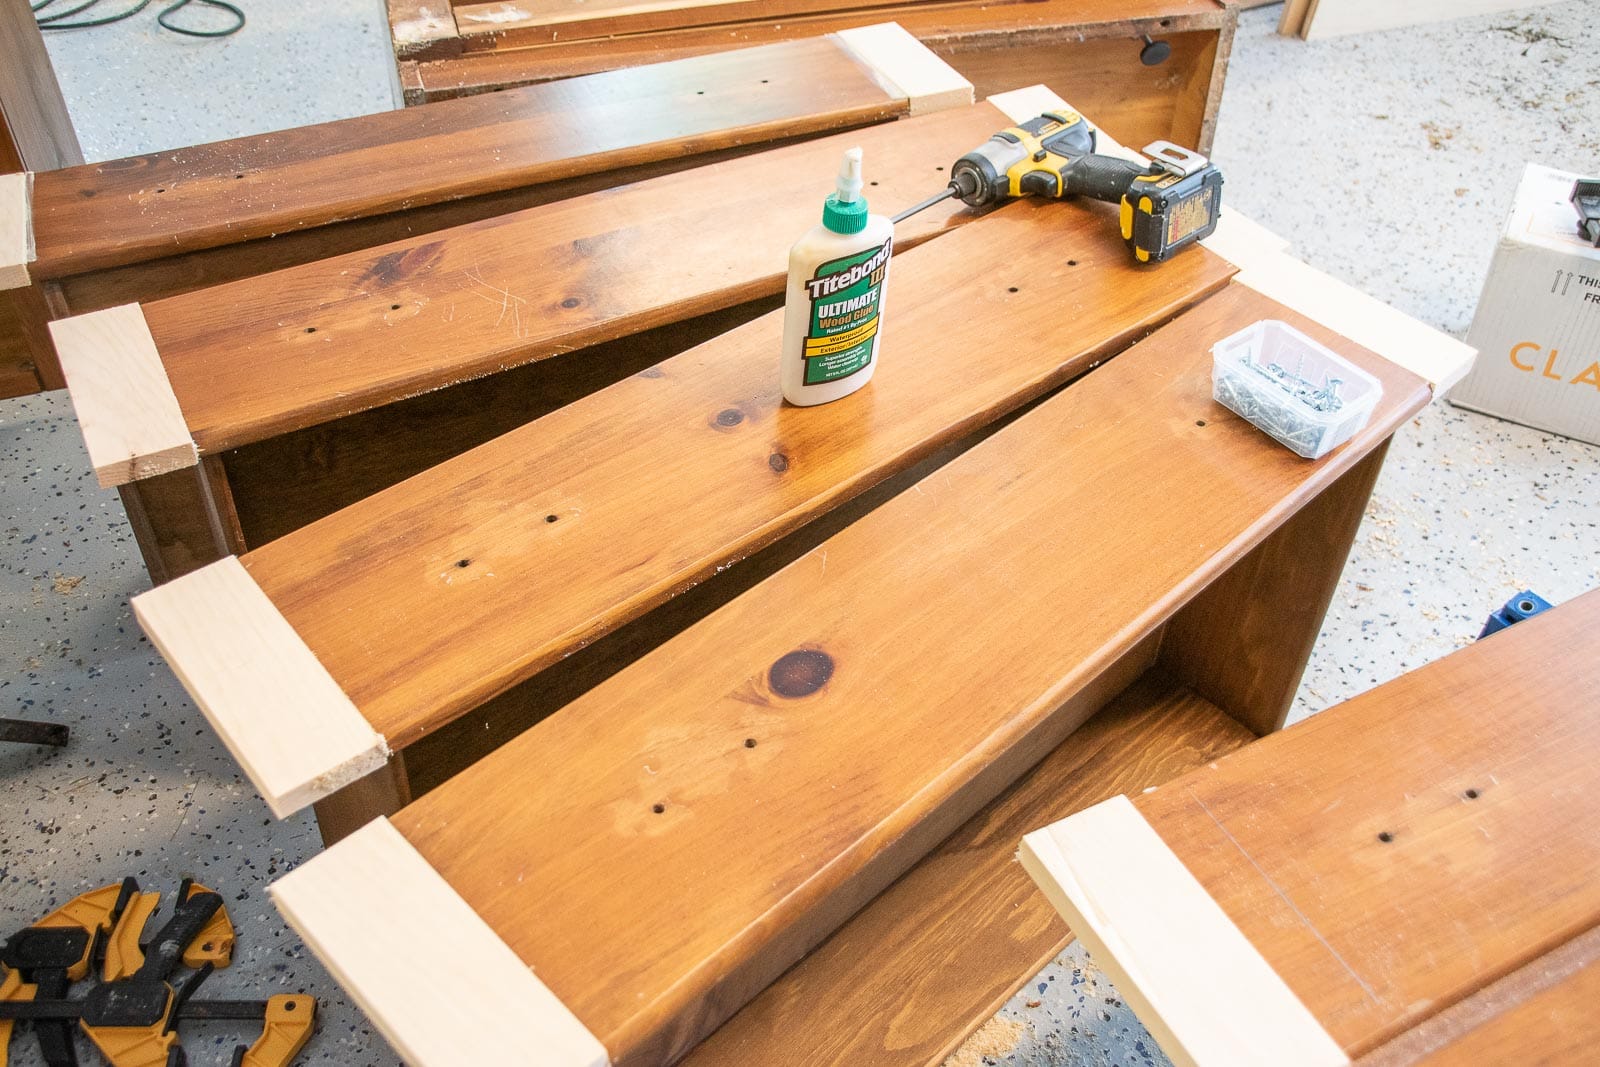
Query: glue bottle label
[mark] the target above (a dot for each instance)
(846, 299)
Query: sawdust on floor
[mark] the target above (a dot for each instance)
(992, 1040)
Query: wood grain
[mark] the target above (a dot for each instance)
(902, 62)
(1392, 856)
(155, 205)
(267, 355)
(16, 230)
(888, 696)
(293, 733)
(1173, 954)
(1542, 1013)
(524, 22)
(357, 905)
(936, 954)
(654, 484)
(129, 417)
(35, 130)
(1244, 643)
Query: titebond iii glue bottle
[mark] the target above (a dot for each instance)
(835, 304)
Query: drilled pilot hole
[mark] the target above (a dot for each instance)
(552, 518)
(1199, 422)
(1012, 289)
(1072, 263)
(1471, 794)
(749, 742)
(658, 808)
(311, 329)
(463, 563)
(394, 307)
(1385, 836)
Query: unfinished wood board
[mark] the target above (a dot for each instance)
(907, 67)
(130, 419)
(1421, 349)
(263, 356)
(1203, 991)
(252, 187)
(1291, 21)
(1449, 811)
(657, 482)
(1333, 18)
(452, 995)
(886, 696)
(291, 729)
(1244, 242)
(16, 229)
(416, 26)
(937, 953)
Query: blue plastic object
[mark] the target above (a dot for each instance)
(1525, 605)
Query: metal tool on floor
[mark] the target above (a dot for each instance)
(1165, 206)
(133, 1010)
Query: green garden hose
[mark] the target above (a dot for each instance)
(53, 21)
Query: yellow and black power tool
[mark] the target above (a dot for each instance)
(1167, 205)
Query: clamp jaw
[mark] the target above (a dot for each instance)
(133, 1011)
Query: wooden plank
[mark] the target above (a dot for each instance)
(648, 778)
(233, 191)
(421, 27)
(292, 730)
(16, 229)
(520, 24)
(907, 67)
(363, 904)
(1292, 20)
(734, 470)
(951, 28)
(1430, 353)
(1334, 18)
(1542, 1013)
(130, 419)
(263, 356)
(1173, 953)
(937, 953)
(35, 130)
(526, 22)
(1244, 642)
(1449, 812)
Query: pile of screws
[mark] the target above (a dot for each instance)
(1287, 420)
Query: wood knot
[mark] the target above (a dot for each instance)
(800, 673)
(778, 462)
(571, 302)
(727, 418)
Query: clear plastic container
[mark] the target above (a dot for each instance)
(1305, 397)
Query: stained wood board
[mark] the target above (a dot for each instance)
(886, 698)
(518, 24)
(1448, 812)
(655, 483)
(267, 355)
(936, 954)
(232, 191)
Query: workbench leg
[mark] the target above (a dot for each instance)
(1244, 641)
(383, 792)
(183, 519)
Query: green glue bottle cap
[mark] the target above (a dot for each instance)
(846, 210)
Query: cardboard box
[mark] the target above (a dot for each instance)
(1537, 327)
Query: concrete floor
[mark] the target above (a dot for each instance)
(1389, 161)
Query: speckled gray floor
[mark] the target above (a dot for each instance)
(1389, 160)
